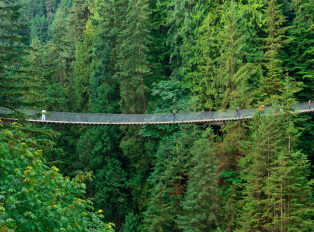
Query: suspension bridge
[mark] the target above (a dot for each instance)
(211, 117)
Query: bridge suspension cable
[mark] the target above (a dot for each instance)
(149, 119)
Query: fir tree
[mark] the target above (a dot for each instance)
(200, 205)
(132, 223)
(232, 69)
(272, 81)
(300, 47)
(58, 33)
(157, 217)
(133, 57)
(199, 53)
(79, 15)
(83, 67)
(15, 73)
(269, 201)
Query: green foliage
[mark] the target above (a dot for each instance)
(271, 170)
(131, 223)
(102, 156)
(133, 68)
(201, 204)
(146, 56)
(83, 67)
(14, 69)
(36, 197)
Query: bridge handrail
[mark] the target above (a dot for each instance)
(143, 118)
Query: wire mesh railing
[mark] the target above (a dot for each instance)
(52, 116)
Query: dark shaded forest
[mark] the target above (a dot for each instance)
(160, 56)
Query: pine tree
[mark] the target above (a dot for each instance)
(16, 76)
(132, 223)
(199, 51)
(83, 67)
(256, 167)
(79, 15)
(98, 151)
(180, 27)
(268, 172)
(299, 51)
(272, 81)
(157, 217)
(57, 31)
(200, 205)
(232, 69)
(159, 50)
(176, 172)
(133, 58)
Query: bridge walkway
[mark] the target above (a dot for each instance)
(214, 118)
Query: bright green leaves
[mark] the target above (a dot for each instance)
(35, 197)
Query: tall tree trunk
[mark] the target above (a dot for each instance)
(231, 63)
(281, 205)
(139, 51)
(61, 67)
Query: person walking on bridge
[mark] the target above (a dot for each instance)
(43, 116)
(174, 116)
(237, 112)
(309, 104)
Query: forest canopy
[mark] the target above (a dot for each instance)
(152, 57)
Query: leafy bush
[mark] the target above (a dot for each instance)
(34, 197)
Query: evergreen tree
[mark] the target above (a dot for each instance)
(300, 47)
(83, 67)
(57, 31)
(133, 58)
(199, 54)
(15, 73)
(157, 217)
(233, 71)
(79, 14)
(200, 205)
(132, 223)
(159, 50)
(180, 26)
(272, 81)
(269, 201)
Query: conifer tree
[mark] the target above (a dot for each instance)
(15, 74)
(159, 49)
(200, 205)
(132, 223)
(268, 171)
(232, 70)
(157, 217)
(79, 15)
(83, 67)
(58, 32)
(133, 71)
(98, 151)
(256, 167)
(300, 48)
(180, 26)
(176, 171)
(199, 51)
(272, 81)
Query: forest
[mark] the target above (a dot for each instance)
(153, 57)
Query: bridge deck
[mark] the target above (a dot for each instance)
(210, 121)
(150, 118)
